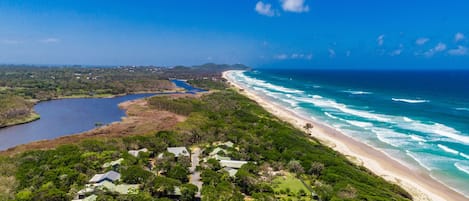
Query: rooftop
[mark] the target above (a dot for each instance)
(110, 176)
(232, 163)
(178, 151)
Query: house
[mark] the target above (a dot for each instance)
(232, 163)
(228, 144)
(108, 176)
(232, 172)
(179, 151)
(216, 151)
(136, 152)
(121, 188)
(81, 194)
(114, 164)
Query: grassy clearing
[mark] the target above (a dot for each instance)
(288, 186)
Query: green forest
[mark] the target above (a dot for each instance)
(224, 115)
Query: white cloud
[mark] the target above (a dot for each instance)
(296, 6)
(440, 47)
(332, 53)
(422, 41)
(459, 37)
(50, 40)
(460, 51)
(294, 56)
(11, 42)
(380, 40)
(281, 56)
(265, 9)
(398, 51)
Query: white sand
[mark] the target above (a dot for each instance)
(420, 185)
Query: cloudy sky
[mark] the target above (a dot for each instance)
(269, 33)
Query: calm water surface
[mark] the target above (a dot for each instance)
(64, 117)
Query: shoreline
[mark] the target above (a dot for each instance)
(419, 184)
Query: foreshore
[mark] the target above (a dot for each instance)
(420, 185)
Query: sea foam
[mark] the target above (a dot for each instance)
(410, 100)
(462, 167)
(357, 92)
(447, 149)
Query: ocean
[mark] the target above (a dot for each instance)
(420, 118)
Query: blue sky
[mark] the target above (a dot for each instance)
(269, 33)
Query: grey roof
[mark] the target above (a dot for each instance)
(178, 151)
(110, 176)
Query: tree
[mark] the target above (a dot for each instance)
(316, 168)
(179, 172)
(295, 167)
(188, 192)
(135, 175)
(162, 186)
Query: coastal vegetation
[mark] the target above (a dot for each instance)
(284, 163)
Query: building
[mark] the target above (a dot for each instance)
(114, 164)
(110, 176)
(232, 163)
(121, 188)
(179, 151)
(136, 152)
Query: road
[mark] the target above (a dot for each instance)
(195, 175)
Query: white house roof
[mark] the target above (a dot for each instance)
(216, 150)
(229, 144)
(178, 151)
(232, 163)
(113, 163)
(111, 176)
(136, 152)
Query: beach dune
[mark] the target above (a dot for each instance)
(420, 185)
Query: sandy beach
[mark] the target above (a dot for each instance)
(419, 184)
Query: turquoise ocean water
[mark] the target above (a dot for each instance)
(420, 118)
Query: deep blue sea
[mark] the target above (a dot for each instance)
(420, 118)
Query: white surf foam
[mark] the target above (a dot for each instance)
(417, 138)
(447, 149)
(436, 129)
(410, 100)
(460, 166)
(260, 83)
(462, 109)
(330, 115)
(407, 119)
(392, 138)
(464, 155)
(357, 92)
(326, 103)
(419, 161)
(360, 124)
